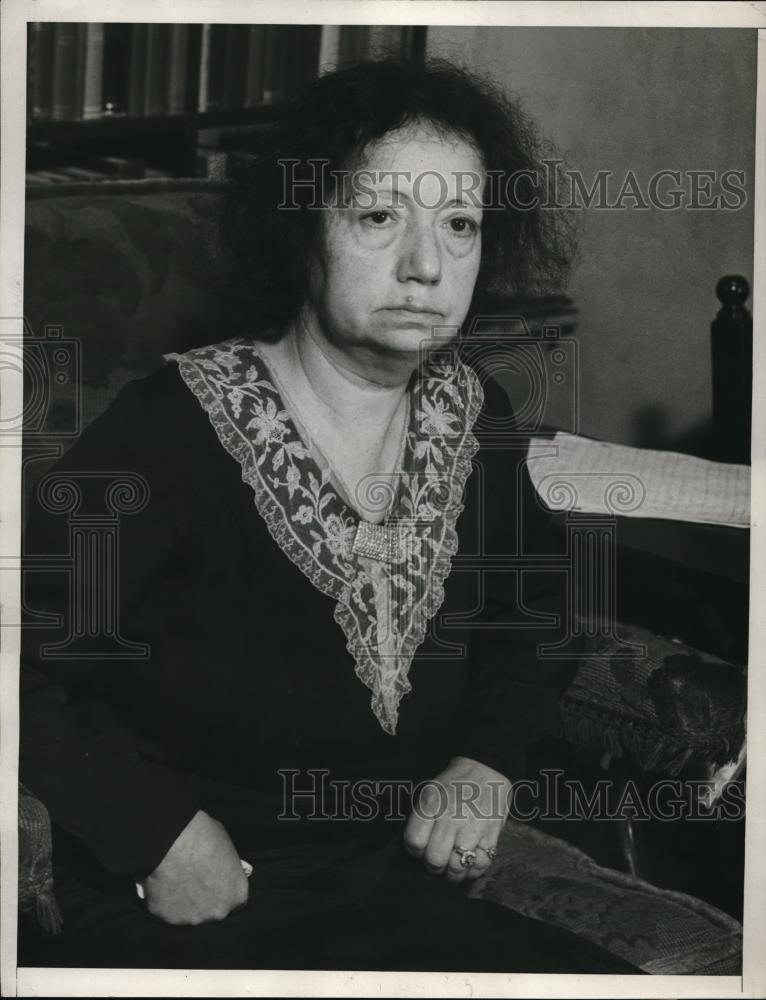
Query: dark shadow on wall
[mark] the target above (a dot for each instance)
(649, 431)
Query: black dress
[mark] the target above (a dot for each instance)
(247, 694)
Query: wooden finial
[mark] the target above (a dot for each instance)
(732, 291)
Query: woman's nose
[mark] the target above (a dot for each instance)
(420, 258)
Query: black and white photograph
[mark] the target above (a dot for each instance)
(382, 455)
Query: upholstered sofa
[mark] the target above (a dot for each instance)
(119, 274)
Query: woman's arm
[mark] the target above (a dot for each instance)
(75, 754)
(514, 690)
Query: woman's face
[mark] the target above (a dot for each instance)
(400, 258)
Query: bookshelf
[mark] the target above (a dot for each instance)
(128, 100)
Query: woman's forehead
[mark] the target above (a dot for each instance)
(415, 153)
(420, 142)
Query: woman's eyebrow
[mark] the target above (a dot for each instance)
(463, 203)
(395, 192)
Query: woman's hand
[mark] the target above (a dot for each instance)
(465, 806)
(200, 879)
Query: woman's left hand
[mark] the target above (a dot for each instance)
(463, 807)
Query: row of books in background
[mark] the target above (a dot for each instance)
(82, 71)
(95, 169)
(245, 66)
(85, 71)
(216, 159)
(156, 83)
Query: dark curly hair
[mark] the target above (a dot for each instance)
(524, 250)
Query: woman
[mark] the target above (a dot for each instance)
(331, 696)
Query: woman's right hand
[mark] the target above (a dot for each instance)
(200, 879)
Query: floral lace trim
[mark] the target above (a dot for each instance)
(383, 605)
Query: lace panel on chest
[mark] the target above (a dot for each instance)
(387, 579)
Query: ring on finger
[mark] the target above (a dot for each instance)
(467, 857)
(491, 852)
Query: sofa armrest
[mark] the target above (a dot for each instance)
(663, 708)
(36, 898)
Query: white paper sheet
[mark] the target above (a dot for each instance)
(576, 473)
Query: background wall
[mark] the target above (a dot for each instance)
(642, 100)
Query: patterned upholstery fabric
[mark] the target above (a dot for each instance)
(661, 708)
(36, 896)
(663, 932)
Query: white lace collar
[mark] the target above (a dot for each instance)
(388, 579)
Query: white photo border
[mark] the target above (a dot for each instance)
(101, 982)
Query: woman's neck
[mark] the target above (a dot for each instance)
(353, 394)
(355, 423)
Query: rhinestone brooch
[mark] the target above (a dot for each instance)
(377, 541)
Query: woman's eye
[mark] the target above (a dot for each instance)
(377, 219)
(462, 226)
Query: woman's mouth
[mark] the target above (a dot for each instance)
(415, 310)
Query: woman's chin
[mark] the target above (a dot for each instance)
(412, 338)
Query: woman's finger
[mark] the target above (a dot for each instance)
(456, 871)
(481, 868)
(427, 811)
(471, 862)
(417, 833)
(438, 852)
(487, 848)
(466, 862)
(485, 854)
(416, 836)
